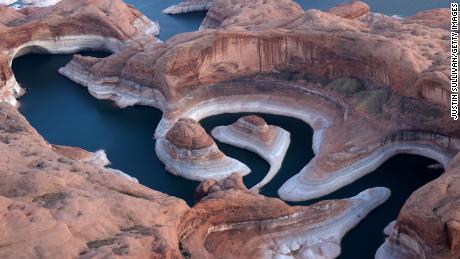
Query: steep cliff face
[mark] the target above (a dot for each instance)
(370, 85)
(68, 27)
(385, 50)
(58, 200)
(55, 200)
(429, 223)
(188, 151)
(229, 221)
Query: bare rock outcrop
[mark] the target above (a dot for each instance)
(332, 72)
(188, 6)
(231, 222)
(55, 202)
(188, 151)
(429, 223)
(352, 10)
(252, 133)
(231, 14)
(371, 86)
(67, 27)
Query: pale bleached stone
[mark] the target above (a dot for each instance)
(300, 188)
(99, 159)
(40, 3)
(319, 240)
(273, 152)
(188, 7)
(193, 165)
(323, 240)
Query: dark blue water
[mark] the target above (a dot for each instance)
(170, 25)
(402, 174)
(64, 113)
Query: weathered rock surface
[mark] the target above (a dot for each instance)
(332, 72)
(56, 201)
(188, 151)
(429, 223)
(252, 133)
(39, 3)
(68, 27)
(231, 222)
(231, 14)
(188, 6)
(352, 10)
(370, 85)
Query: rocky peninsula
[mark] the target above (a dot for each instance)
(68, 27)
(230, 221)
(189, 6)
(371, 86)
(253, 133)
(188, 151)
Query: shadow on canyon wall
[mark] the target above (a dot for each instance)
(65, 113)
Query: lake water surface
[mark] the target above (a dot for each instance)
(64, 113)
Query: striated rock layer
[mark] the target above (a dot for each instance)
(67, 27)
(188, 6)
(332, 72)
(371, 86)
(188, 151)
(231, 222)
(61, 201)
(253, 133)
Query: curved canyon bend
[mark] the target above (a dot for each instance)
(330, 181)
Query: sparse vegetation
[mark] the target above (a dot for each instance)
(122, 250)
(184, 252)
(371, 101)
(48, 200)
(346, 85)
(102, 242)
(139, 230)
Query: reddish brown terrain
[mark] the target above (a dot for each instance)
(371, 86)
(67, 27)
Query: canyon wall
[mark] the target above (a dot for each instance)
(59, 200)
(371, 86)
(68, 27)
(428, 225)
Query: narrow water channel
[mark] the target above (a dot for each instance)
(64, 113)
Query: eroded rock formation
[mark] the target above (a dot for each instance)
(68, 27)
(371, 86)
(231, 222)
(252, 133)
(332, 72)
(58, 200)
(352, 10)
(188, 151)
(55, 200)
(188, 6)
(429, 223)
